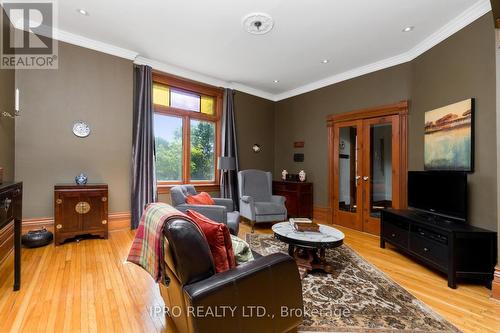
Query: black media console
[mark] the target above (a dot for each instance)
(456, 249)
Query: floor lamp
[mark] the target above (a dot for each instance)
(225, 164)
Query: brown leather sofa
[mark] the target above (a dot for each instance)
(264, 295)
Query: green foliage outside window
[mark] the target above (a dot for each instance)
(202, 150)
(169, 153)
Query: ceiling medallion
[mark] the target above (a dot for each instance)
(258, 23)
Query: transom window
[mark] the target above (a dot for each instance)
(187, 126)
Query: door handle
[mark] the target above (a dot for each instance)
(6, 204)
(356, 180)
(365, 178)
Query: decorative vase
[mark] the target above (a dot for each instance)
(284, 173)
(302, 176)
(81, 179)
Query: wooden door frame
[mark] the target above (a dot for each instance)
(397, 109)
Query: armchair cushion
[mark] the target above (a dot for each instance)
(279, 199)
(219, 241)
(203, 198)
(255, 183)
(269, 208)
(228, 203)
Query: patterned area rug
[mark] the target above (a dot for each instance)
(357, 297)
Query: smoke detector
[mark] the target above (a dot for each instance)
(258, 23)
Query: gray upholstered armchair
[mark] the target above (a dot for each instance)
(257, 203)
(222, 212)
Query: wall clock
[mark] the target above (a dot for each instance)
(81, 129)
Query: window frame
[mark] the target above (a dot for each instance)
(186, 115)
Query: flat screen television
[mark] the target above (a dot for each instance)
(439, 192)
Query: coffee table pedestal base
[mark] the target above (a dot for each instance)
(309, 259)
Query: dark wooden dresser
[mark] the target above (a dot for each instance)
(11, 216)
(299, 197)
(454, 248)
(80, 210)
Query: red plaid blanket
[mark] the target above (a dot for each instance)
(147, 248)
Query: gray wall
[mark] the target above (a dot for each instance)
(303, 118)
(89, 86)
(254, 118)
(7, 86)
(461, 67)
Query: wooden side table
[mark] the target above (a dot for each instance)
(80, 210)
(299, 197)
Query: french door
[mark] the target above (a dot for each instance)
(368, 168)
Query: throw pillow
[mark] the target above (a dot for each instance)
(202, 198)
(241, 249)
(219, 241)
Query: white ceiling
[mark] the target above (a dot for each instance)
(204, 40)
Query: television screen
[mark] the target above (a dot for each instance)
(439, 192)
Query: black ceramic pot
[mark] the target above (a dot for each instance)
(37, 238)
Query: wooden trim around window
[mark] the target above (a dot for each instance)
(165, 189)
(196, 87)
(186, 115)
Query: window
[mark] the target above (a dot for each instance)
(186, 125)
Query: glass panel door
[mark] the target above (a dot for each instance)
(380, 162)
(347, 179)
(381, 168)
(348, 168)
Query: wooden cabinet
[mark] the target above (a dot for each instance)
(11, 198)
(80, 210)
(299, 197)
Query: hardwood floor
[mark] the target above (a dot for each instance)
(87, 287)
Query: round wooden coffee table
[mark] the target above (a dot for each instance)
(308, 248)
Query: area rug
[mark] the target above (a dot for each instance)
(356, 298)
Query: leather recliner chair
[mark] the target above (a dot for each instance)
(263, 295)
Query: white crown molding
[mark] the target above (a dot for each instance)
(356, 72)
(93, 44)
(467, 17)
(195, 76)
(471, 14)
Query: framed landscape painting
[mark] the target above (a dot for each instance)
(449, 137)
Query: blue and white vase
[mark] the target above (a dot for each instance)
(81, 179)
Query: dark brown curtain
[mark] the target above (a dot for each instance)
(143, 144)
(229, 179)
